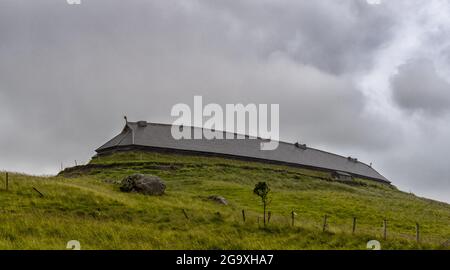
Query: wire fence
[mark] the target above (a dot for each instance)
(384, 229)
(359, 226)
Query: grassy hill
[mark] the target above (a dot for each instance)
(84, 203)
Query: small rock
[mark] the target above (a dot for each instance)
(218, 199)
(145, 184)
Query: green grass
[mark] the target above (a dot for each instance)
(85, 204)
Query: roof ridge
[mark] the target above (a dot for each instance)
(313, 156)
(237, 134)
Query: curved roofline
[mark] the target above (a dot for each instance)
(134, 127)
(240, 134)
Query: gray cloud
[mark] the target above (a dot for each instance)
(418, 87)
(69, 73)
(335, 36)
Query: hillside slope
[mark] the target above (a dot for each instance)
(85, 203)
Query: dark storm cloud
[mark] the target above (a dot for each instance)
(335, 36)
(418, 87)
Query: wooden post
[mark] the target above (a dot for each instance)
(354, 225)
(325, 223)
(185, 214)
(243, 215)
(417, 233)
(384, 229)
(264, 214)
(7, 182)
(269, 214)
(40, 194)
(292, 217)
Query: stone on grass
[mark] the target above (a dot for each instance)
(218, 199)
(145, 184)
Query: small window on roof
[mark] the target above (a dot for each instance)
(142, 124)
(300, 146)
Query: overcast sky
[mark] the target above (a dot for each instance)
(370, 81)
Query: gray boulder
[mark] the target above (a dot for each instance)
(218, 199)
(145, 184)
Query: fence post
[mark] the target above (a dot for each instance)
(185, 214)
(40, 193)
(354, 225)
(7, 182)
(243, 215)
(325, 223)
(417, 232)
(384, 229)
(292, 217)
